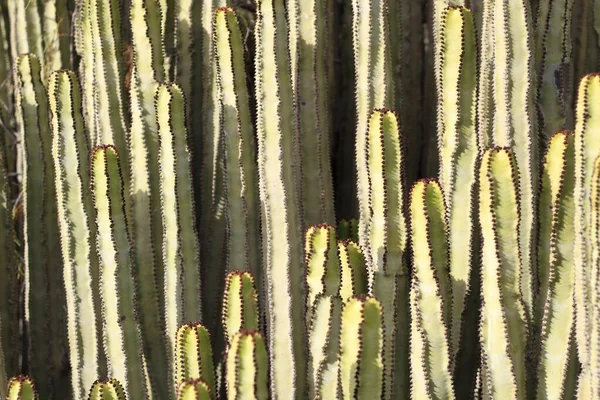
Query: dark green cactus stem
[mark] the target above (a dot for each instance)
(310, 49)
(194, 389)
(240, 304)
(348, 229)
(353, 270)
(457, 145)
(247, 367)
(107, 390)
(324, 345)
(243, 213)
(279, 192)
(9, 140)
(361, 349)
(431, 312)
(44, 286)
(194, 356)
(21, 388)
(122, 339)
(555, 309)
(504, 324)
(77, 231)
(322, 264)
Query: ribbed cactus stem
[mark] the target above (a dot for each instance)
(122, 341)
(322, 264)
(279, 192)
(348, 229)
(457, 146)
(107, 390)
(503, 327)
(353, 270)
(243, 213)
(361, 349)
(194, 389)
(247, 367)
(184, 47)
(70, 154)
(433, 286)
(240, 304)
(194, 356)
(21, 388)
(324, 345)
(26, 29)
(55, 26)
(556, 269)
(595, 283)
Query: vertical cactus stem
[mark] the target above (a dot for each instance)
(194, 356)
(555, 66)
(515, 119)
(433, 284)
(107, 390)
(322, 264)
(595, 282)
(587, 150)
(420, 387)
(54, 22)
(557, 274)
(21, 388)
(323, 347)
(184, 46)
(485, 98)
(279, 193)
(247, 367)
(180, 243)
(122, 339)
(240, 304)
(144, 191)
(353, 270)
(504, 331)
(70, 152)
(309, 52)
(26, 29)
(243, 212)
(194, 389)
(374, 90)
(457, 143)
(361, 349)
(348, 229)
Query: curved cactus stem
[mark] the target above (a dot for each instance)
(247, 367)
(240, 304)
(323, 347)
(122, 339)
(21, 388)
(555, 265)
(433, 288)
(322, 264)
(361, 349)
(107, 390)
(504, 330)
(194, 356)
(180, 244)
(243, 212)
(279, 192)
(194, 389)
(457, 143)
(70, 155)
(43, 267)
(353, 270)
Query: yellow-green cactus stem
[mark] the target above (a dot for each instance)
(25, 29)
(457, 146)
(280, 194)
(243, 213)
(194, 389)
(554, 48)
(122, 337)
(323, 347)
(348, 229)
(43, 267)
(587, 150)
(21, 388)
(184, 48)
(433, 286)
(247, 368)
(322, 264)
(240, 304)
(194, 356)
(144, 190)
(504, 323)
(361, 349)
(180, 249)
(56, 26)
(555, 309)
(77, 231)
(485, 98)
(107, 390)
(353, 270)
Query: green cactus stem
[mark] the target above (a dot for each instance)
(353, 270)
(22, 388)
(240, 304)
(322, 264)
(194, 356)
(194, 389)
(247, 367)
(348, 229)
(107, 390)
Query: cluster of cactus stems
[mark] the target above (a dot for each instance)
(372, 199)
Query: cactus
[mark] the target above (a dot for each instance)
(240, 304)
(21, 388)
(194, 389)
(353, 271)
(107, 390)
(322, 264)
(194, 356)
(247, 367)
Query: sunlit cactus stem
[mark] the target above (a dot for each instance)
(107, 390)
(247, 369)
(322, 264)
(194, 357)
(21, 388)
(194, 389)
(240, 304)
(353, 270)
